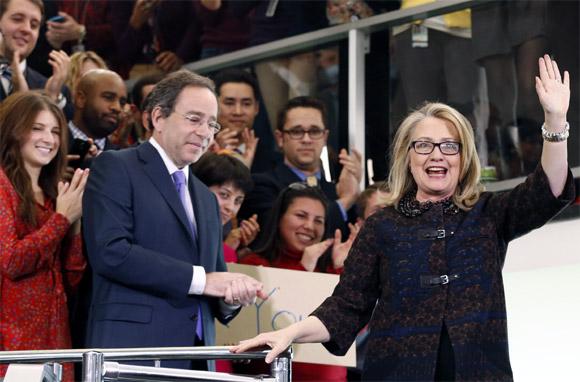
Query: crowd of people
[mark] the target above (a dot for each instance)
(119, 209)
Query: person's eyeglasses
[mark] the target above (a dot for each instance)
(196, 121)
(296, 133)
(426, 147)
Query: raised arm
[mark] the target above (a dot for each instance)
(554, 95)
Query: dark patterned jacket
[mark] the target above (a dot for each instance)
(442, 266)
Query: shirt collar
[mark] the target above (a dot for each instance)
(171, 167)
(79, 134)
(302, 175)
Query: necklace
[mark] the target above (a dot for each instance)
(411, 207)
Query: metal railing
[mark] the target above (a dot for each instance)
(357, 33)
(99, 364)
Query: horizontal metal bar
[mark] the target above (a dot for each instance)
(327, 35)
(114, 371)
(76, 355)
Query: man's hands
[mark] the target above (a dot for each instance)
(69, 171)
(18, 81)
(234, 288)
(168, 61)
(348, 186)
(60, 32)
(142, 10)
(229, 139)
(60, 62)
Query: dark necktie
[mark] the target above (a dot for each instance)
(6, 72)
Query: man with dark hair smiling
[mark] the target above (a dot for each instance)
(301, 134)
(20, 22)
(238, 95)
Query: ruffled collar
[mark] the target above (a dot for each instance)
(411, 207)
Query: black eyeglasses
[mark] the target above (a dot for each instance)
(297, 133)
(426, 147)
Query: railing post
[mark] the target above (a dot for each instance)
(358, 47)
(281, 367)
(57, 370)
(93, 366)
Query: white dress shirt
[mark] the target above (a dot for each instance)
(198, 280)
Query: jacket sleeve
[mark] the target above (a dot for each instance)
(350, 307)
(529, 205)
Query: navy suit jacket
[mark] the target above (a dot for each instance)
(141, 251)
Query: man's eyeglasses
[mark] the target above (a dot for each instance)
(297, 133)
(426, 147)
(196, 121)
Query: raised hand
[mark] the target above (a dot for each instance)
(227, 139)
(341, 249)
(70, 196)
(18, 80)
(142, 10)
(68, 30)
(554, 94)
(351, 162)
(553, 90)
(251, 142)
(233, 239)
(249, 229)
(60, 62)
(348, 186)
(313, 252)
(168, 61)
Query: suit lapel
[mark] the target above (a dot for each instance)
(157, 173)
(285, 175)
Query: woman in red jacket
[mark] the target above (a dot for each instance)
(297, 227)
(40, 247)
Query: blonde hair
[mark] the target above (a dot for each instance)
(76, 63)
(401, 180)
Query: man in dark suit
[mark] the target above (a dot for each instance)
(20, 22)
(301, 135)
(153, 232)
